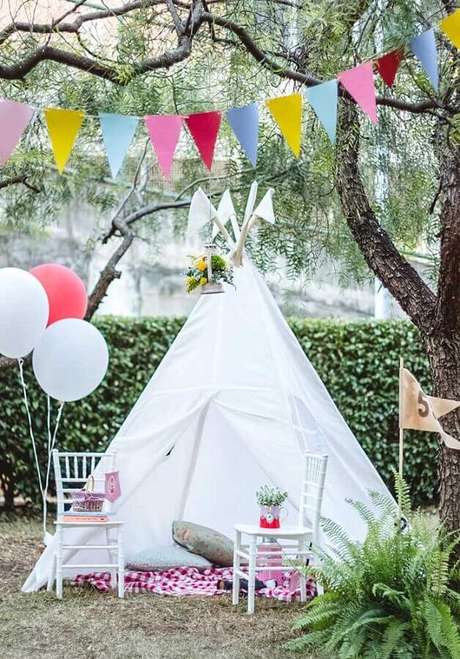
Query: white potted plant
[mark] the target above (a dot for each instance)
(270, 500)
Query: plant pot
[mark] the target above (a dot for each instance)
(211, 288)
(269, 517)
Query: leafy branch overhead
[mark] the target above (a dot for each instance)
(190, 22)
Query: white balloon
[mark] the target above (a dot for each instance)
(24, 312)
(70, 360)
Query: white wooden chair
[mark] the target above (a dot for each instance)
(71, 471)
(295, 541)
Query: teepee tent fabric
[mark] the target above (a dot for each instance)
(234, 404)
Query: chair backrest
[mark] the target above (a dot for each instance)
(72, 470)
(311, 496)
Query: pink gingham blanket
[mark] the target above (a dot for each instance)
(190, 581)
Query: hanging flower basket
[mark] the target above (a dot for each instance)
(208, 272)
(206, 289)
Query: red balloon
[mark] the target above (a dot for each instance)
(65, 290)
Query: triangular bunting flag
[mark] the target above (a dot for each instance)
(117, 131)
(14, 118)
(287, 112)
(63, 126)
(164, 131)
(359, 83)
(245, 124)
(450, 25)
(323, 99)
(388, 66)
(204, 128)
(424, 48)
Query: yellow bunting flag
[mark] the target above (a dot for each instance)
(287, 112)
(421, 412)
(450, 25)
(63, 126)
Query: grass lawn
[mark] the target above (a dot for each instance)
(93, 625)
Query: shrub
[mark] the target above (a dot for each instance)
(358, 362)
(388, 597)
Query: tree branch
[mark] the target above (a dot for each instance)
(310, 81)
(77, 61)
(14, 180)
(186, 33)
(76, 24)
(109, 272)
(381, 255)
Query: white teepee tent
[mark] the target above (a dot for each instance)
(234, 404)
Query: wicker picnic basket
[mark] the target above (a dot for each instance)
(87, 500)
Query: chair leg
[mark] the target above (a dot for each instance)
(51, 576)
(303, 588)
(302, 581)
(236, 566)
(112, 554)
(121, 564)
(252, 574)
(59, 562)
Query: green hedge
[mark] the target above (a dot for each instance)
(357, 361)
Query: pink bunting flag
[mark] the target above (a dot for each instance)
(164, 132)
(359, 83)
(14, 118)
(204, 127)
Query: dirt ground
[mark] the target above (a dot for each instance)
(94, 625)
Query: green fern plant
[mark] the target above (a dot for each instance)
(390, 596)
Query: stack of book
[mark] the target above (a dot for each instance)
(85, 517)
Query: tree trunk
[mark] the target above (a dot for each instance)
(437, 317)
(444, 357)
(7, 486)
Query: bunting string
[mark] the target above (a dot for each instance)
(164, 131)
(50, 446)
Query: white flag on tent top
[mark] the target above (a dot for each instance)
(201, 212)
(225, 211)
(265, 209)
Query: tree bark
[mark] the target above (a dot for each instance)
(443, 345)
(444, 356)
(437, 316)
(377, 247)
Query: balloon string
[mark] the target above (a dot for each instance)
(48, 423)
(29, 418)
(48, 454)
(51, 444)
